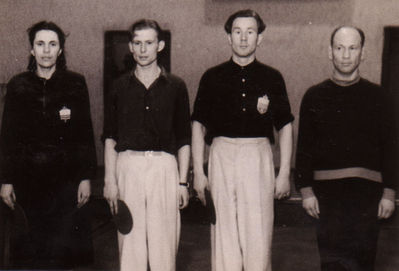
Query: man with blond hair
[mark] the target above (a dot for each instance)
(147, 123)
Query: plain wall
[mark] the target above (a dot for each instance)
(295, 41)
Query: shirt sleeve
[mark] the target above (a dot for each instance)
(304, 154)
(182, 117)
(85, 146)
(202, 104)
(110, 115)
(389, 141)
(280, 106)
(10, 141)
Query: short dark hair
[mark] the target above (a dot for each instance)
(361, 34)
(145, 24)
(244, 13)
(44, 25)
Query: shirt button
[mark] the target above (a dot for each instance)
(243, 80)
(244, 109)
(243, 95)
(147, 108)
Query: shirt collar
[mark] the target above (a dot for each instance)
(53, 76)
(163, 76)
(251, 66)
(163, 73)
(344, 83)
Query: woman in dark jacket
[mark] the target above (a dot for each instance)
(48, 154)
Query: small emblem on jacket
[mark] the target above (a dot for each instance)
(65, 113)
(263, 104)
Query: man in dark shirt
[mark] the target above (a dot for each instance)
(237, 105)
(147, 122)
(347, 158)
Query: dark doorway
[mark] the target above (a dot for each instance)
(390, 64)
(390, 60)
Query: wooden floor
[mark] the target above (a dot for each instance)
(294, 242)
(294, 249)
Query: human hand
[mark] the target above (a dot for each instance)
(200, 184)
(311, 205)
(111, 195)
(282, 189)
(385, 208)
(8, 195)
(84, 192)
(183, 196)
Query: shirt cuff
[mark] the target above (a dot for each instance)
(389, 194)
(183, 142)
(307, 192)
(199, 119)
(284, 121)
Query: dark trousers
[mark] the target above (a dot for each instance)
(347, 231)
(58, 233)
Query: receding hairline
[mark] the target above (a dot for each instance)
(343, 27)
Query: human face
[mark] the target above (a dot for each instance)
(145, 47)
(346, 53)
(244, 38)
(46, 49)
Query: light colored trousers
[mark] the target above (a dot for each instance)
(148, 183)
(241, 176)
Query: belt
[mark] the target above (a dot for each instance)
(146, 153)
(241, 140)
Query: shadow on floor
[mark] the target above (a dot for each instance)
(294, 242)
(294, 249)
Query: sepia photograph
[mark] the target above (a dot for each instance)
(199, 135)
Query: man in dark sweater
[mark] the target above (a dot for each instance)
(346, 158)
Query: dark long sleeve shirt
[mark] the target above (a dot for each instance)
(154, 119)
(227, 101)
(35, 138)
(347, 131)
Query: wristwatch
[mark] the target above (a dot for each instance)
(186, 184)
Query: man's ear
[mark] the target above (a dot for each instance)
(260, 38)
(229, 38)
(32, 52)
(131, 46)
(330, 54)
(59, 52)
(161, 45)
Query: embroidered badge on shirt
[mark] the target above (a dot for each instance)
(263, 104)
(65, 113)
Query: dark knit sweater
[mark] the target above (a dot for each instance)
(346, 127)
